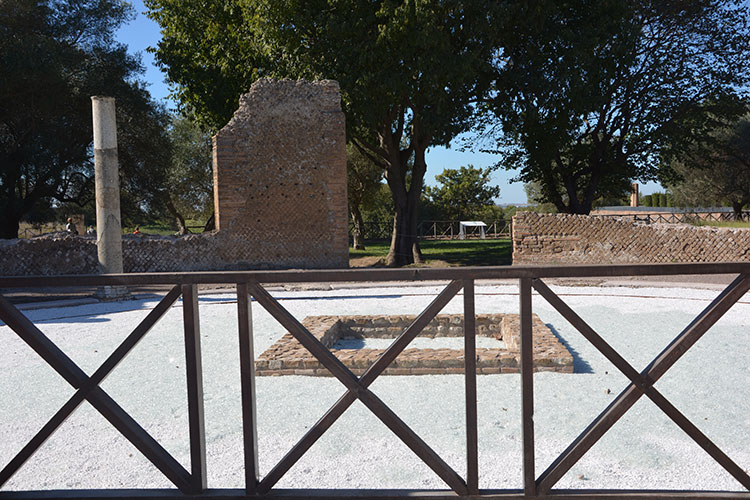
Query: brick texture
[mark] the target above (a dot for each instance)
(280, 175)
(580, 239)
(288, 357)
(279, 192)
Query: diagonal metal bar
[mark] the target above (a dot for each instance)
(645, 387)
(627, 398)
(308, 340)
(99, 375)
(325, 422)
(414, 442)
(99, 399)
(403, 340)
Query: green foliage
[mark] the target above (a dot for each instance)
(189, 179)
(716, 170)
(408, 71)
(210, 53)
(54, 56)
(377, 212)
(591, 93)
(658, 199)
(463, 194)
(363, 183)
(451, 252)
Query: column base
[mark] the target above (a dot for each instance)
(113, 293)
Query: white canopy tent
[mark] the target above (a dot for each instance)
(464, 224)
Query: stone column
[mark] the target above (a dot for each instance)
(634, 195)
(106, 172)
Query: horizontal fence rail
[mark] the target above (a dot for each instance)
(680, 217)
(434, 230)
(252, 285)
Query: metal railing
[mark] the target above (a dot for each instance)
(250, 284)
(435, 230)
(681, 217)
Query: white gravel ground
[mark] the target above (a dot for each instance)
(710, 384)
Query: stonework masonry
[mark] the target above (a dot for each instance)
(280, 175)
(279, 190)
(580, 239)
(288, 357)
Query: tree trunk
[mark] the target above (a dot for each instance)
(8, 226)
(404, 242)
(358, 232)
(210, 224)
(737, 209)
(179, 219)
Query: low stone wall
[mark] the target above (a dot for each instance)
(288, 357)
(62, 253)
(581, 239)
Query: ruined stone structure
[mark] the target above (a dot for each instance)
(288, 357)
(280, 175)
(280, 196)
(581, 239)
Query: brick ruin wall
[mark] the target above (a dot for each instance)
(280, 175)
(580, 239)
(279, 190)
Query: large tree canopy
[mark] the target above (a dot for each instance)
(592, 93)
(463, 192)
(54, 56)
(716, 170)
(409, 72)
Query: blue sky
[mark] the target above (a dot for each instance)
(143, 32)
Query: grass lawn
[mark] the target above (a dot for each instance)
(439, 253)
(723, 223)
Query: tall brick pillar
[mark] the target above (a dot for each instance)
(280, 177)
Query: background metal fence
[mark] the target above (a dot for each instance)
(436, 230)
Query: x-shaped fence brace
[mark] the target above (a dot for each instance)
(640, 384)
(357, 388)
(87, 388)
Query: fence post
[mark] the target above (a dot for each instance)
(194, 388)
(527, 388)
(470, 366)
(247, 384)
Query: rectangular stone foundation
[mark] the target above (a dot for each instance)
(288, 357)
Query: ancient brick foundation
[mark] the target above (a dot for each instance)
(280, 196)
(580, 239)
(288, 357)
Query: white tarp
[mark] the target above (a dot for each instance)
(462, 225)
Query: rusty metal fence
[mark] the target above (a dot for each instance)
(251, 284)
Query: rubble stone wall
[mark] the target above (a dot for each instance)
(580, 239)
(279, 192)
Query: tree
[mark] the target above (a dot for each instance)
(591, 93)
(717, 171)
(363, 182)
(408, 72)
(189, 178)
(54, 56)
(464, 192)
